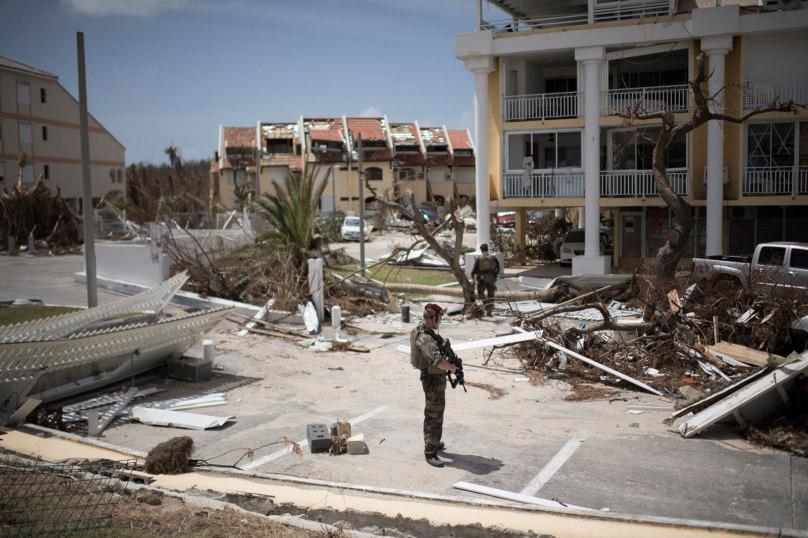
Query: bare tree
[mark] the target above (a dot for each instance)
(667, 258)
(240, 159)
(22, 162)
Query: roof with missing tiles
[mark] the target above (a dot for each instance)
(433, 136)
(279, 130)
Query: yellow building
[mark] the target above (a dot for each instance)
(38, 116)
(549, 76)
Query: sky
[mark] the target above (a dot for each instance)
(169, 72)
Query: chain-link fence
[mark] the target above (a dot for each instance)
(61, 499)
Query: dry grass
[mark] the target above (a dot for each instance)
(585, 391)
(494, 393)
(173, 518)
(170, 457)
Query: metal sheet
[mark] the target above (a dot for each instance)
(177, 419)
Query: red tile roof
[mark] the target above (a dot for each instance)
(464, 161)
(242, 137)
(460, 139)
(214, 166)
(405, 160)
(433, 136)
(279, 130)
(326, 135)
(370, 128)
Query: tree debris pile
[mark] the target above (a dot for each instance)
(170, 457)
(25, 209)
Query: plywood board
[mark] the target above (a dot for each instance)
(742, 353)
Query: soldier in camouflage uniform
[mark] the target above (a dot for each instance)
(426, 356)
(486, 270)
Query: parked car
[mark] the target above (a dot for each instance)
(429, 214)
(350, 229)
(574, 245)
(781, 264)
(506, 219)
(536, 216)
(331, 215)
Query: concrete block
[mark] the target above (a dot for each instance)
(591, 265)
(318, 438)
(716, 21)
(344, 429)
(356, 444)
(190, 369)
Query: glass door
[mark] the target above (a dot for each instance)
(631, 234)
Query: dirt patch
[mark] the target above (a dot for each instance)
(170, 457)
(494, 393)
(176, 519)
(585, 391)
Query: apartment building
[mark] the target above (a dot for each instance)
(548, 76)
(401, 160)
(38, 116)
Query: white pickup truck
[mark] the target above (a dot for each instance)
(782, 264)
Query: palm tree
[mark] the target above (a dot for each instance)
(292, 211)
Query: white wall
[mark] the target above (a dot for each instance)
(131, 262)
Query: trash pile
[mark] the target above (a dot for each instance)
(711, 346)
(35, 210)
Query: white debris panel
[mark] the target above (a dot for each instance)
(178, 419)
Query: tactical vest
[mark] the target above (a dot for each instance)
(488, 268)
(417, 358)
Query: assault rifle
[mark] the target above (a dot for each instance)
(446, 349)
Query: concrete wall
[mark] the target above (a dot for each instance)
(132, 262)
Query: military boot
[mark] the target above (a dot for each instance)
(434, 461)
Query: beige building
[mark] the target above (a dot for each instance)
(399, 159)
(38, 116)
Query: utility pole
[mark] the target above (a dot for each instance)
(87, 193)
(361, 207)
(334, 191)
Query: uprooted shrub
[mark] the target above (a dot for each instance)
(170, 457)
(24, 209)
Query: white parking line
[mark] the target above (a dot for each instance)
(305, 442)
(550, 469)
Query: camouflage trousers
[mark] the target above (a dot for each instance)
(435, 395)
(491, 288)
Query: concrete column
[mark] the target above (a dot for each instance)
(592, 262)
(581, 217)
(481, 66)
(561, 213)
(716, 48)
(316, 284)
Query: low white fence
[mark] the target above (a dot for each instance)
(772, 181)
(650, 99)
(565, 183)
(760, 93)
(640, 183)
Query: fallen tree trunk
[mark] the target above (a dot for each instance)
(546, 296)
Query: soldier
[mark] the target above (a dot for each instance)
(425, 355)
(486, 270)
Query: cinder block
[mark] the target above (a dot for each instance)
(190, 369)
(318, 437)
(356, 444)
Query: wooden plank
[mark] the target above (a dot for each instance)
(258, 317)
(278, 334)
(744, 354)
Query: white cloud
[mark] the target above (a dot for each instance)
(127, 8)
(373, 111)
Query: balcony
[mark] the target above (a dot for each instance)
(775, 181)
(759, 93)
(640, 183)
(548, 106)
(651, 99)
(541, 106)
(563, 183)
(537, 17)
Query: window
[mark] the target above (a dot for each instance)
(437, 176)
(47, 172)
(628, 153)
(407, 174)
(44, 133)
(799, 258)
(464, 176)
(772, 255)
(770, 145)
(2, 171)
(23, 93)
(25, 133)
(373, 174)
(112, 175)
(279, 146)
(42, 95)
(549, 150)
(28, 173)
(120, 175)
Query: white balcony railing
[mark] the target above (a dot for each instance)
(759, 93)
(564, 183)
(651, 99)
(772, 181)
(616, 10)
(640, 183)
(536, 23)
(541, 106)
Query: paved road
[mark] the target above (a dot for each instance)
(583, 453)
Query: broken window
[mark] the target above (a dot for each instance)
(279, 146)
(373, 174)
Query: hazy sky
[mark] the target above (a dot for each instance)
(162, 72)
